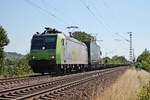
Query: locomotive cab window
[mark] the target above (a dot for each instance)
(48, 42)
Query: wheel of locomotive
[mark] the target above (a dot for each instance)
(64, 69)
(69, 68)
(79, 68)
(86, 67)
(42, 73)
(59, 70)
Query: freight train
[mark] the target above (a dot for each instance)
(53, 51)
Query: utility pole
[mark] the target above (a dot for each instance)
(131, 49)
(133, 56)
(130, 45)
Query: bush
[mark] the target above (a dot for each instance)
(143, 61)
(17, 67)
(144, 94)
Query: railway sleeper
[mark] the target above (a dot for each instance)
(47, 97)
(10, 95)
(43, 98)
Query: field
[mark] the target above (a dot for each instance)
(126, 87)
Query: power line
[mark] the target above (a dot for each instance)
(54, 8)
(101, 17)
(115, 12)
(130, 42)
(105, 4)
(92, 13)
(58, 11)
(46, 11)
(122, 37)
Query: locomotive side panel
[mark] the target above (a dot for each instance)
(76, 52)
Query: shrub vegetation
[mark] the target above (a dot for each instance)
(17, 67)
(143, 61)
(144, 94)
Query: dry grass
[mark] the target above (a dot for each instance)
(126, 87)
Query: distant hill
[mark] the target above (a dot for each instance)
(13, 55)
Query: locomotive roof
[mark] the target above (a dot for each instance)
(74, 40)
(44, 34)
(67, 37)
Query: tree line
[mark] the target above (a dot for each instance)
(114, 60)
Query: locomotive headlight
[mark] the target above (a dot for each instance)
(33, 57)
(52, 57)
(43, 48)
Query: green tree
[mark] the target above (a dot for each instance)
(143, 60)
(3, 42)
(114, 60)
(82, 36)
(119, 60)
(106, 60)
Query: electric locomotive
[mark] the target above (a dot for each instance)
(53, 51)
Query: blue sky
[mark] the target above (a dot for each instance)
(21, 20)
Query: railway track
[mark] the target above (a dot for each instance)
(48, 90)
(19, 81)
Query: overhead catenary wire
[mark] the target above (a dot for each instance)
(105, 3)
(115, 15)
(122, 37)
(101, 17)
(46, 11)
(93, 14)
(53, 8)
(58, 11)
(115, 11)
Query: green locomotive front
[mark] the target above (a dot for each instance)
(45, 52)
(52, 51)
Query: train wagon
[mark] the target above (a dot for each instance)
(52, 51)
(94, 54)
